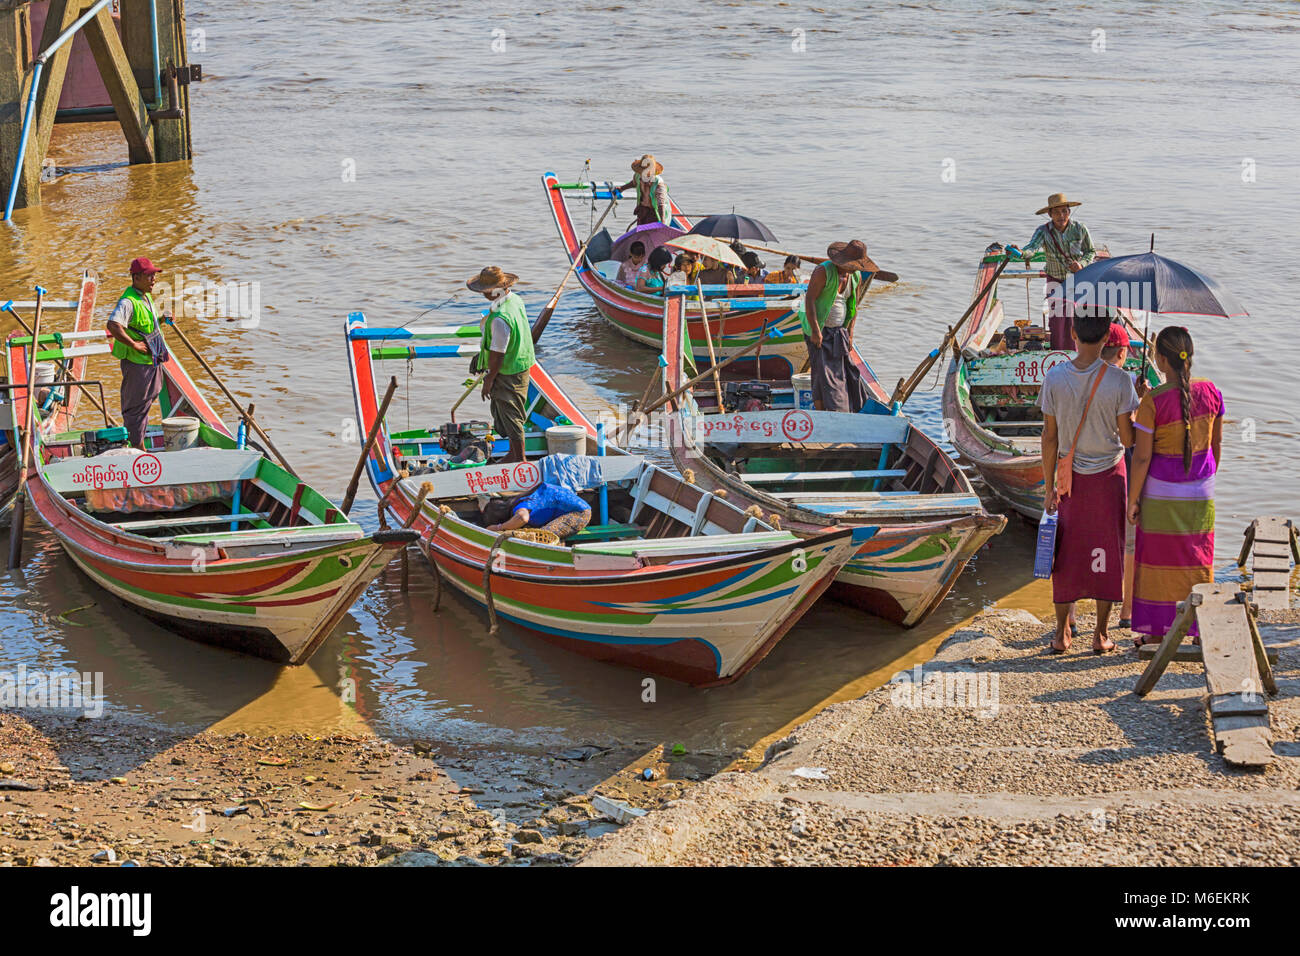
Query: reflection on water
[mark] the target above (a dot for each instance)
(448, 139)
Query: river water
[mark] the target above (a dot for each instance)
(356, 156)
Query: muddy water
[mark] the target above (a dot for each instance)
(352, 157)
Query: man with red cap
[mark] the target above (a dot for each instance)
(135, 325)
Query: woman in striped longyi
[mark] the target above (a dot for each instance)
(1171, 498)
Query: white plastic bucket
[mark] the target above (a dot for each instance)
(44, 374)
(566, 440)
(802, 384)
(180, 433)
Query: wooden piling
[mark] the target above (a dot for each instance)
(15, 77)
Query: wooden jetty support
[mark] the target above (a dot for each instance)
(1237, 670)
(142, 58)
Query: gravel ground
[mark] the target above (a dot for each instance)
(1054, 761)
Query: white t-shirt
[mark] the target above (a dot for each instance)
(1064, 392)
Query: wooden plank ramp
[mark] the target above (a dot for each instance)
(1270, 542)
(1237, 670)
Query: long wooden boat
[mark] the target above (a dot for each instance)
(737, 314)
(60, 406)
(215, 542)
(990, 393)
(672, 580)
(816, 469)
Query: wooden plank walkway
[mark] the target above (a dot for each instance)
(1237, 670)
(1270, 543)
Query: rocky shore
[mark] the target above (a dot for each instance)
(113, 792)
(1000, 754)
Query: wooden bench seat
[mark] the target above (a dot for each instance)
(133, 526)
(604, 532)
(755, 478)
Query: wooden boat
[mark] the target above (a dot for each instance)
(216, 542)
(737, 314)
(673, 580)
(60, 405)
(816, 469)
(990, 401)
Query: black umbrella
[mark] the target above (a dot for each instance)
(731, 226)
(1150, 283)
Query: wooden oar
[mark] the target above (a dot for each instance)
(631, 423)
(883, 275)
(233, 401)
(708, 339)
(540, 325)
(351, 495)
(20, 496)
(907, 386)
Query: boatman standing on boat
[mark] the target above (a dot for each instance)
(1068, 247)
(505, 355)
(652, 202)
(135, 325)
(831, 304)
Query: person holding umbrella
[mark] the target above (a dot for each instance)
(831, 303)
(652, 202)
(1171, 495)
(505, 355)
(135, 327)
(1067, 245)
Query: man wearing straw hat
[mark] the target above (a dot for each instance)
(652, 202)
(138, 342)
(831, 304)
(505, 355)
(1067, 246)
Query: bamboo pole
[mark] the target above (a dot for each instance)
(20, 496)
(233, 401)
(883, 274)
(545, 317)
(708, 339)
(907, 386)
(351, 494)
(631, 423)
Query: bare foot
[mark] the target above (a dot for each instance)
(1101, 643)
(1060, 643)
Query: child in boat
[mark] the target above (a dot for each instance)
(654, 278)
(1088, 410)
(548, 507)
(1171, 500)
(627, 272)
(682, 270)
(788, 274)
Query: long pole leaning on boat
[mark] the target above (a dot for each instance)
(351, 494)
(708, 339)
(20, 496)
(247, 416)
(631, 423)
(884, 275)
(908, 385)
(542, 319)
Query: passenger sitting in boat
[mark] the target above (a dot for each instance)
(754, 272)
(547, 507)
(681, 274)
(788, 275)
(655, 277)
(712, 272)
(627, 272)
(652, 202)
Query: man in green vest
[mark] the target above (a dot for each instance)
(831, 304)
(135, 325)
(505, 355)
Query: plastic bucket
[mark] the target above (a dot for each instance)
(802, 384)
(44, 374)
(566, 440)
(180, 433)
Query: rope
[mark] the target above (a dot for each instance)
(487, 581)
(443, 511)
